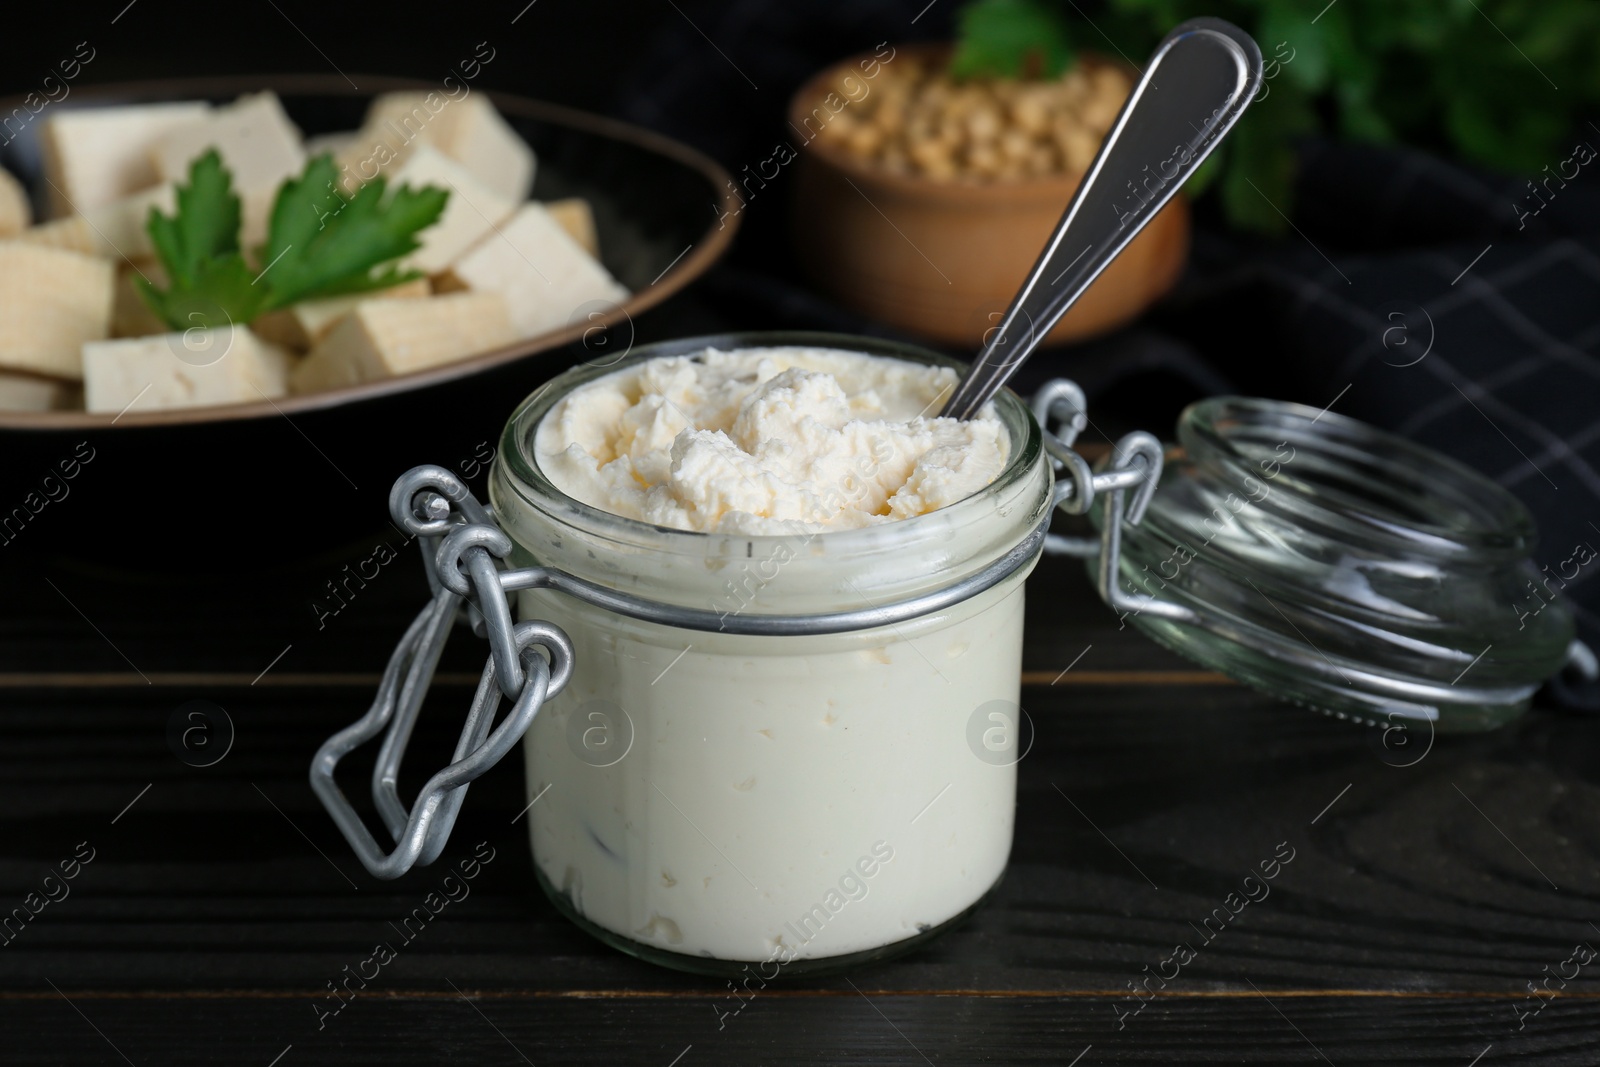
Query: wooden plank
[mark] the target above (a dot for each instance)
(1140, 809)
(1068, 676)
(360, 680)
(785, 989)
(853, 1027)
(208, 680)
(1406, 929)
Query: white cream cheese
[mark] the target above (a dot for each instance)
(769, 440)
(753, 798)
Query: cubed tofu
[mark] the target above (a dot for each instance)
(194, 368)
(471, 211)
(130, 315)
(304, 324)
(544, 275)
(364, 158)
(576, 217)
(51, 302)
(118, 230)
(97, 156)
(255, 218)
(404, 119)
(26, 392)
(15, 212)
(481, 140)
(382, 338)
(121, 230)
(468, 130)
(396, 125)
(256, 140)
(72, 233)
(333, 144)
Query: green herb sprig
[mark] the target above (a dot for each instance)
(318, 244)
(1474, 78)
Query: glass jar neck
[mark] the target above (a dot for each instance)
(800, 573)
(1363, 487)
(1336, 566)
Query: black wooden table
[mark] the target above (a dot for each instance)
(1433, 902)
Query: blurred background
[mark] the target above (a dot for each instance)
(1404, 226)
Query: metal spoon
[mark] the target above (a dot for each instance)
(1194, 88)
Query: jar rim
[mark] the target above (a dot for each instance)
(1417, 497)
(524, 475)
(1357, 573)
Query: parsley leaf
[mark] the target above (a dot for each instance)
(1474, 78)
(1011, 39)
(323, 245)
(318, 244)
(217, 292)
(207, 223)
(199, 246)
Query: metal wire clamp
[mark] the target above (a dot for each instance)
(1134, 465)
(464, 550)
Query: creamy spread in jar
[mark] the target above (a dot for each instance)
(769, 440)
(702, 797)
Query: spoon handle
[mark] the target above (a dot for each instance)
(1195, 86)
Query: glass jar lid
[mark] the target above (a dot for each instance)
(1339, 567)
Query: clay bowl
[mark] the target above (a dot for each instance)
(942, 259)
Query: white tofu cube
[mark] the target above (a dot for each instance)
(304, 324)
(97, 156)
(24, 392)
(382, 338)
(544, 275)
(130, 315)
(392, 131)
(51, 302)
(118, 230)
(257, 142)
(121, 230)
(333, 144)
(468, 130)
(481, 140)
(72, 233)
(15, 211)
(577, 218)
(255, 217)
(195, 368)
(471, 211)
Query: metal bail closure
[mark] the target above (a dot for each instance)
(464, 551)
(1134, 464)
(462, 566)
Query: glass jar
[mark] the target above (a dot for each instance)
(763, 754)
(1337, 566)
(713, 800)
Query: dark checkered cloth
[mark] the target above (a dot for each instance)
(1414, 296)
(1394, 253)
